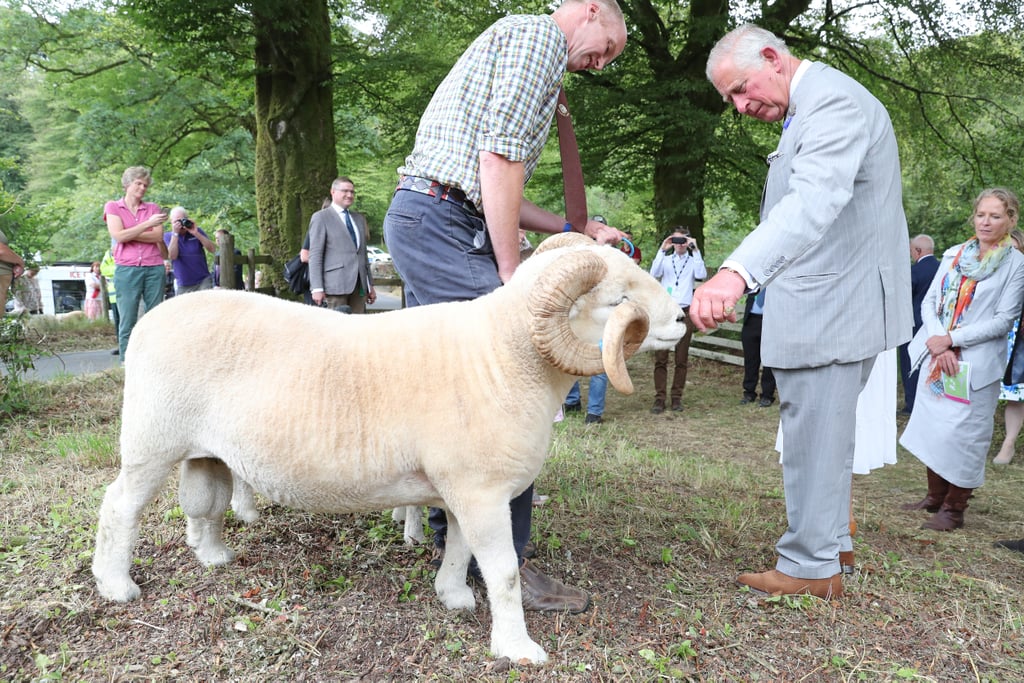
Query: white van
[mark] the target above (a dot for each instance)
(62, 286)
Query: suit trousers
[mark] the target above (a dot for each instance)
(681, 359)
(750, 336)
(355, 301)
(444, 254)
(909, 379)
(819, 419)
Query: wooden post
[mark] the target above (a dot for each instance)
(227, 260)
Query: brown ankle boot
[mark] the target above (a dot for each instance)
(951, 515)
(937, 490)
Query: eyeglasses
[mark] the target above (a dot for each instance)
(351, 192)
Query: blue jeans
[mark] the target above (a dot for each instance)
(134, 284)
(595, 397)
(443, 253)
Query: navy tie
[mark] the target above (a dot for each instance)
(351, 228)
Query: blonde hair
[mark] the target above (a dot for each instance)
(1007, 197)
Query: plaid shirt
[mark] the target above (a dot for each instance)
(499, 97)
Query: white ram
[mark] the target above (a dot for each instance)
(448, 405)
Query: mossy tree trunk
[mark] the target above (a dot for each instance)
(295, 151)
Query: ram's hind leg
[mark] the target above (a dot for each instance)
(118, 527)
(205, 493)
(450, 582)
(243, 501)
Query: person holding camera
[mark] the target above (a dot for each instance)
(186, 249)
(677, 265)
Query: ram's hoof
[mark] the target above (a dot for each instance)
(123, 590)
(520, 650)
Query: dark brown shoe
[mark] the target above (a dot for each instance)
(677, 406)
(774, 582)
(927, 503)
(543, 594)
(658, 408)
(945, 520)
(846, 562)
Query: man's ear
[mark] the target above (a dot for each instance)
(771, 55)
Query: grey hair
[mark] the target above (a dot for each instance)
(744, 44)
(133, 173)
(924, 242)
(178, 209)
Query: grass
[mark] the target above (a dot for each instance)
(655, 515)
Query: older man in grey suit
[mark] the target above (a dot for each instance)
(339, 272)
(832, 242)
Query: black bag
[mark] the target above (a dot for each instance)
(297, 274)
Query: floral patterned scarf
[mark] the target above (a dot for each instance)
(958, 284)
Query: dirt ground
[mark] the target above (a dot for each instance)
(654, 515)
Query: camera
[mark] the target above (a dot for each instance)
(187, 224)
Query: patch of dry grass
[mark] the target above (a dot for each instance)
(654, 514)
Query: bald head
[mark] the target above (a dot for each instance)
(920, 246)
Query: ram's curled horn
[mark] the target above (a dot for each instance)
(564, 239)
(623, 334)
(553, 294)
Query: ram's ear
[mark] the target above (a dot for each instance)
(624, 332)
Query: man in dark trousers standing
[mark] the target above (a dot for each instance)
(922, 252)
(453, 224)
(750, 336)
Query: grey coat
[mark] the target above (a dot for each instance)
(335, 264)
(833, 237)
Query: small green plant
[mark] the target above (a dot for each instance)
(17, 354)
(406, 595)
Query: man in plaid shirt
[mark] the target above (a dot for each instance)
(477, 145)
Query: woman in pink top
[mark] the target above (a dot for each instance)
(137, 230)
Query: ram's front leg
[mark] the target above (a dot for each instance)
(488, 532)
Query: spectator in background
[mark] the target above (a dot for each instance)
(339, 271)
(969, 309)
(11, 266)
(922, 250)
(26, 292)
(93, 305)
(1012, 389)
(136, 227)
(677, 265)
(750, 336)
(598, 386)
(107, 269)
(187, 246)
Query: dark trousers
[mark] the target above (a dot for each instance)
(681, 357)
(909, 379)
(444, 254)
(750, 336)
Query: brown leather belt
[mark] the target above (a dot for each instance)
(432, 188)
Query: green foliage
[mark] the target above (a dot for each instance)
(16, 355)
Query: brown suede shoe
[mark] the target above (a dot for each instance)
(774, 582)
(544, 594)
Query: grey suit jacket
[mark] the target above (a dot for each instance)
(833, 237)
(981, 336)
(335, 264)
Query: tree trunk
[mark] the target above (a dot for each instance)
(295, 148)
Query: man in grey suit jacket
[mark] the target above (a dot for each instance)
(339, 272)
(832, 242)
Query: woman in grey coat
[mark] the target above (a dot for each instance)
(971, 305)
